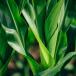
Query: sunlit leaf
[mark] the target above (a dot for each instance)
(52, 27)
(53, 71)
(46, 57)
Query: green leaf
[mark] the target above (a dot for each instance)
(40, 8)
(52, 19)
(14, 40)
(45, 55)
(31, 37)
(66, 24)
(73, 21)
(22, 4)
(15, 35)
(4, 56)
(29, 8)
(3, 46)
(52, 25)
(40, 12)
(17, 19)
(50, 4)
(3, 42)
(72, 9)
(5, 16)
(4, 68)
(53, 71)
(61, 45)
(34, 65)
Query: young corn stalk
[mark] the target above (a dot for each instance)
(48, 20)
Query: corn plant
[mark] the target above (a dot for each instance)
(48, 21)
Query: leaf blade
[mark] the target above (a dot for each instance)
(35, 32)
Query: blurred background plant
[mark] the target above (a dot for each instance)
(38, 37)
